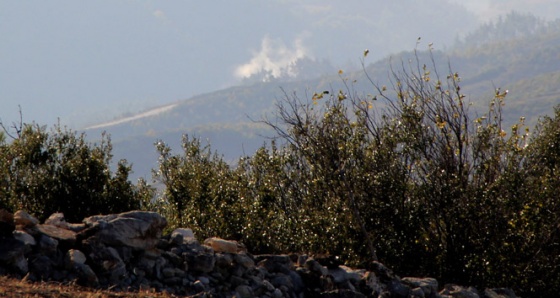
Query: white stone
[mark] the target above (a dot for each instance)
(221, 245)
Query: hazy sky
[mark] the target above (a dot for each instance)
(89, 61)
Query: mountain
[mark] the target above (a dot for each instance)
(89, 62)
(525, 63)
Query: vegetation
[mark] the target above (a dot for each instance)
(58, 171)
(411, 175)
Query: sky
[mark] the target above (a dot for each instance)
(86, 62)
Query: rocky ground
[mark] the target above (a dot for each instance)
(127, 253)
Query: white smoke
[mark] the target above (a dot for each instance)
(274, 58)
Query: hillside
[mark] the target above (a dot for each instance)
(524, 63)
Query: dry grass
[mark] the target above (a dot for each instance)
(10, 287)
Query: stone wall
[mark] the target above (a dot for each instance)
(127, 252)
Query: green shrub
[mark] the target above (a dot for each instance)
(58, 171)
(200, 190)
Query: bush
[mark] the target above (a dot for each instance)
(59, 171)
(200, 190)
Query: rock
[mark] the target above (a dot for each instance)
(353, 275)
(57, 220)
(20, 264)
(24, 237)
(331, 262)
(7, 225)
(42, 266)
(382, 272)
(397, 288)
(297, 282)
(339, 275)
(137, 229)
(457, 291)
(201, 262)
(173, 258)
(417, 293)
(275, 263)
(185, 233)
(24, 220)
(244, 291)
(107, 263)
(47, 245)
(282, 280)
(86, 276)
(369, 281)
(74, 258)
(198, 286)
(499, 293)
(62, 235)
(168, 272)
(428, 285)
(221, 245)
(244, 260)
(315, 267)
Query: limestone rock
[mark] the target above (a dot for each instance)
(58, 220)
(137, 229)
(221, 245)
(24, 220)
(60, 234)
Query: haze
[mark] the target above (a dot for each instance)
(89, 62)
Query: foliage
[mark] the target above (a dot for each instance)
(200, 190)
(409, 175)
(58, 171)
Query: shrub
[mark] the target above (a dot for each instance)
(59, 171)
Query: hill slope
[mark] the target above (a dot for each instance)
(528, 65)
